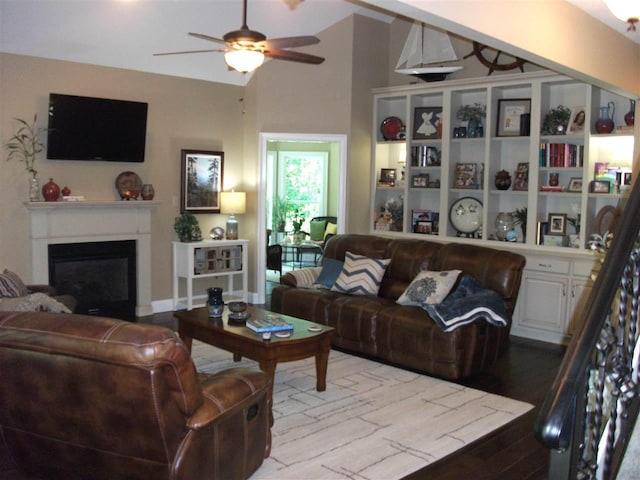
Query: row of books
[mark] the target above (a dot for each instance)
(269, 324)
(561, 155)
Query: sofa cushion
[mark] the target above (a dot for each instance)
(429, 287)
(360, 275)
(331, 229)
(331, 269)
(11, 285)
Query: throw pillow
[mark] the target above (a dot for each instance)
(429, 287)
(331, 229)
(317, 228)
(331, 269)
(11, 285)
(360, 275)
(306, 277)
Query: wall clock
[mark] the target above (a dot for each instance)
(495, 59)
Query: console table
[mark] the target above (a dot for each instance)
(207, 259)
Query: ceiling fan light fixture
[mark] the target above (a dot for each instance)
(625, 10)
(244, 61)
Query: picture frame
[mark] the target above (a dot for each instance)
(521, 180)
(425, 221)
(425, 228)
(201, 175)
(575, 184)
(557, 224)
(427, 123)
(387, 177)
(420, 181)
(466, 176)
(509, 116)
(577, 120)
(600, 186)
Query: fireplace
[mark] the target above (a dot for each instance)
(100, 275)
(54, 223)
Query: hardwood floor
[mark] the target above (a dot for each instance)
(525, 373)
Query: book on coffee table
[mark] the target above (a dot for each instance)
(271, 324)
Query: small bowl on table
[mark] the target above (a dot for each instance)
(238, 312)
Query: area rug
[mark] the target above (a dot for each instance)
(373, 422)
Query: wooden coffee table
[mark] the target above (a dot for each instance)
(243, 342)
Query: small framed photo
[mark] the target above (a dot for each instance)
(510, 112)
(575, 185)
(557, 224)
(420, 181)
(423, 227)
(201, 181)
(466, 176)
(576, 120)
(387, 177)
(600, 186)
(521, 182)
(427, 123)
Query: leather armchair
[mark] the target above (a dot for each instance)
(97, 398)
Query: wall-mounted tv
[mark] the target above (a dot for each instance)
(87, 128)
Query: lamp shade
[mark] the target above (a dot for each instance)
(244, 61)
(232, 203)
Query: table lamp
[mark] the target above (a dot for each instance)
(232, 203)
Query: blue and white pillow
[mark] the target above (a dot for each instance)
(331, 269)
(360, 275)
(429, 287)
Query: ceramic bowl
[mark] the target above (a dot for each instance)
(237, 307)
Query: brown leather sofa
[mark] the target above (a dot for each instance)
(84, 397)
(405, 335)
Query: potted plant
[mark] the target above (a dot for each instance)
(279, 214)
(520, 216)
(297, 219)
(556, 120)
(187, 228)
(473, 115)
(25, 146)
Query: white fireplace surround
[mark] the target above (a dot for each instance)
(77, 222)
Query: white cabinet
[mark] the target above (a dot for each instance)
(552, 295)
(207, 259)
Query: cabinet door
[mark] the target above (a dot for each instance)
(580, 291)
(544, 303)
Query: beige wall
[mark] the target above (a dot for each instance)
(182, 114)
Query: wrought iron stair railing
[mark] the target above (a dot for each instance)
(591, 409)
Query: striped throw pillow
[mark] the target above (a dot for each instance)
(306, 277)
(360, 275)
(11, 285)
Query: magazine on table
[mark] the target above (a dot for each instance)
(269, 324)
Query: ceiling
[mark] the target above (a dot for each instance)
(126, 33)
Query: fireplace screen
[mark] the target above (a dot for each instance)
(100, 275)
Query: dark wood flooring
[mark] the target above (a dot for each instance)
(525, 373)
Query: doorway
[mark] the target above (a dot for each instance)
(270, 145)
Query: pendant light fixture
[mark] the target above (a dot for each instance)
(625, 10)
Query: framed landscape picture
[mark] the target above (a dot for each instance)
(201, 181)
(509, 116)
(427, 123)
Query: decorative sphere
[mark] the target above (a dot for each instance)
(216, 233)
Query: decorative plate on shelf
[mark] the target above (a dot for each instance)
(129, 185)
(392, 128)
(466, 214)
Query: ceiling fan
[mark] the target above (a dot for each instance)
(245, 49)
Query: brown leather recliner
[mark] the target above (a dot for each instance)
(85, 397)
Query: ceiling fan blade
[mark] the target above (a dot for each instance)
(293, 56)
(290, 42)
(189, 51)
(208, 38)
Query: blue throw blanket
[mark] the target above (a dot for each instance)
(468, 302)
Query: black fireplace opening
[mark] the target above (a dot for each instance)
(100, 275)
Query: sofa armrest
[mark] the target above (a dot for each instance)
(46, 289)
(226, 392)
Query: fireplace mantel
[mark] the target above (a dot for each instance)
(77, 222)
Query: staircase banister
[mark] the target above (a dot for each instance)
(554, 424)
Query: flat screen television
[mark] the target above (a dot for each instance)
(87, 128)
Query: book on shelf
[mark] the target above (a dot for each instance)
(269, 324)
(565, 155)
(549, 188)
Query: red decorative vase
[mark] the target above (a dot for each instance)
(630, 116)
(51, 191)
(66, 191)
